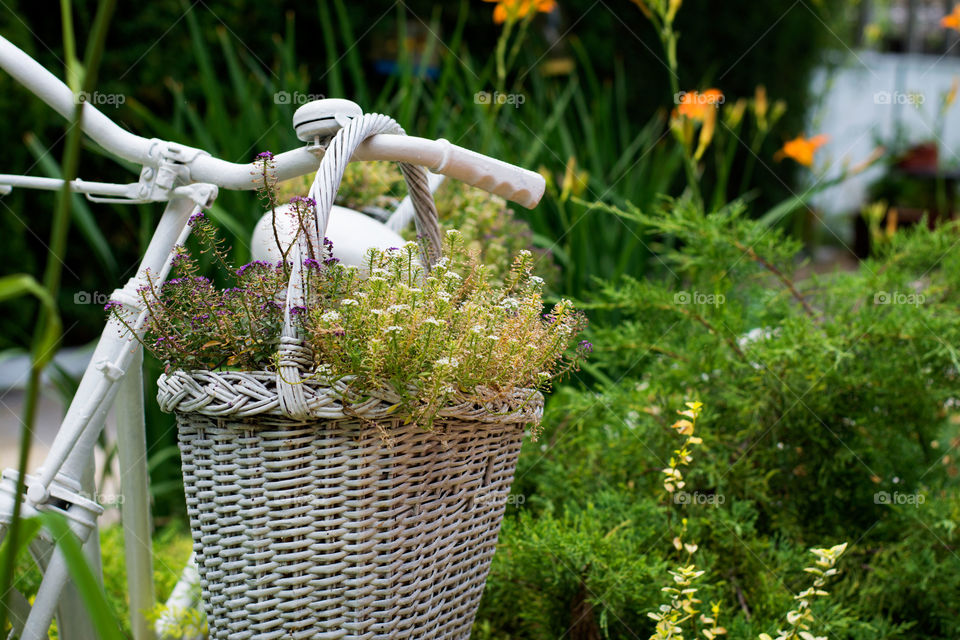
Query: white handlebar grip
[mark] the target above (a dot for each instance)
(503, 179)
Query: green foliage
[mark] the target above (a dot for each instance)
(832, 416)
(172, 546)
(181, 624)
(103, 612)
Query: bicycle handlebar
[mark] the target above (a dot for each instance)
(440, 156)
(503, 179)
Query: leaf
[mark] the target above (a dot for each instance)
(21, 284)
(101, 614)
(28, 530)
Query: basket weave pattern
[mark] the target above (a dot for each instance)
(324, 529)
(317, 514)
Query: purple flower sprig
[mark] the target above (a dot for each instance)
(303, 204)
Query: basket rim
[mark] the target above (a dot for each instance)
(247, 394)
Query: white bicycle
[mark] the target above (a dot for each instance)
(186, 179)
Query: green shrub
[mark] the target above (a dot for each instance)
(832, 417)
(172, 546)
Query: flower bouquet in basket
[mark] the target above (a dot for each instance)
(349, 433)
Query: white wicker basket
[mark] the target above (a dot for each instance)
(309, 522)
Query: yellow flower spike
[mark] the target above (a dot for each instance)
(706, 134)
(547, 176)
(672, 9)
(779, 108)
(733, 115)
(574, 182)
(760, 105)
(952, 19)
(801, 149)
(951, 96)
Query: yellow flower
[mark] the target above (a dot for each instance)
(760, 106)
(801, 149)
(516, 9)
(672, 8)
(733, 114)
(952, 20)
(683, 427)
(574, 182)
(706, 134)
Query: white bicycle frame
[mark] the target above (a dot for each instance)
(187, 179)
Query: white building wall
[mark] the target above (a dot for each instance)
(860, 104)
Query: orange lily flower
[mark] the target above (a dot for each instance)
(801, 149)
(697, 106)
(516, 9)
(952, 20)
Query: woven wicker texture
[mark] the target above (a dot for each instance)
(319, 514)
(323, 528)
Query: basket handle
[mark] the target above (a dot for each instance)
(295, 357)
